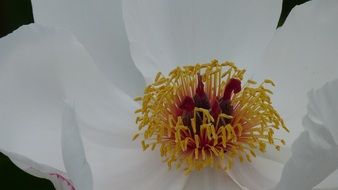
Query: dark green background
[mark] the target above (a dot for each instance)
(13, 14)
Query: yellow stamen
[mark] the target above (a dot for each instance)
(207, 141)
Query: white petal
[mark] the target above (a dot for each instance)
(311, 162)
(99, 27)
(39, 67)
(130, 169)
(302, 56)
(315, 152)
(329, 183)
(106, 115)
(164, 34)
(323, 107)
(73, 152)
(210, 178)
(281, 156)
(260, 174)
(57, 177)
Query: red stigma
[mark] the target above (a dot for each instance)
(201, 99)
(233, 86)
(187, 104)
(215, 109)
(200, 86)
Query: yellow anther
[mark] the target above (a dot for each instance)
(158, 76)
(282, 141)
(277, 147)
(248, 157)
(135, 136)
(144, 145)
(252, 82)
(252, 153)
(138, 111)
(153, 146)
(138, 98)
(269, 82)
(214, 150)
(196, 153)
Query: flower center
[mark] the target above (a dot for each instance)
(201, 116)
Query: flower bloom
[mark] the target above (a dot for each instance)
(42, 66)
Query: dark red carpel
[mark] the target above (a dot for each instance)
(187, 110)
(200, 86)
(233, 86)
(187, 104)
(201, 99)
(215, 109)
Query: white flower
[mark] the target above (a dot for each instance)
(41, 66)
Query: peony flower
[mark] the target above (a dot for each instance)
(42, 66)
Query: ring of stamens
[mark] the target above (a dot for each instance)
(200, 116)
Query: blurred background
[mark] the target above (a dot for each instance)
(13, 14)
